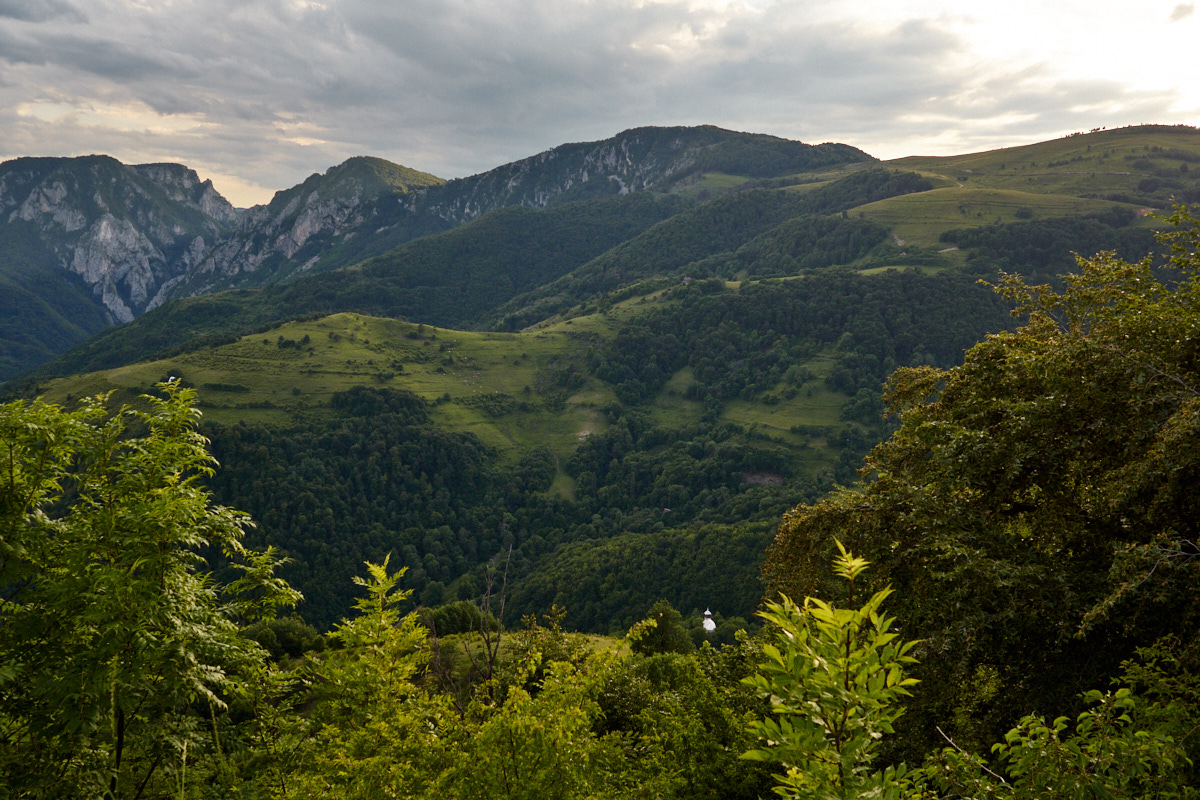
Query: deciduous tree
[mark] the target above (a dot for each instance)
(835, 678)
(117, 645)
(1038, 508)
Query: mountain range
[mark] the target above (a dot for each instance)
(87, 242)
(132, 237)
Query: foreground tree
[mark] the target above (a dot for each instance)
(1130, 742)
(374, 731)
(117, 647)
(1103, 754)
(835, 678)
(1038, 509)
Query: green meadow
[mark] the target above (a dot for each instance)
(918, 220)
(501, 387)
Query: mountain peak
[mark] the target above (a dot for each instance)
(359, 177)
(381, 174)
(289, 227)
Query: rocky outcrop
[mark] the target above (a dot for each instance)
(640, 159)
(291, 231)
(385, 205)
(129, 232)
(265, 231)
(183, 186)
(113, 252)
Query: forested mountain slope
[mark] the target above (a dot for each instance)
(355, 210)
(1016, 614)
(702, 404)
(660, 390)
(709, 237)
(687, 361)
(462, 278)
(1060, 180)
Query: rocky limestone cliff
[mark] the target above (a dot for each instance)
(381, 205)
(639, 159)
(337, 203)
(129, 232)
(270, 230)
(183, 186)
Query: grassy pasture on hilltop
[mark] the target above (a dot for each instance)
(297, 367)
(1150, 165)
(505, 388)
(917, 220)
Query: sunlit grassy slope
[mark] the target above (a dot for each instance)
(918, 219)
(502, 387)
(272, 376)
(1075, 175)
(1078, 174)
(1077, 165)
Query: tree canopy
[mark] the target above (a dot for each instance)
(1037, 508)
(113, 636)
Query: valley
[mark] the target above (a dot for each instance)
(722, 333)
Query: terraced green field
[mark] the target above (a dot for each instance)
(918, 219)
(297, 368)
(501, 387)
(1077, 174)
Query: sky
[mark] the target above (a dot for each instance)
(259, 94)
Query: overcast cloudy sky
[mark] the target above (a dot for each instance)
(259, 94)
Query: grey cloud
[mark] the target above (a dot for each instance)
(459, 86)
(107, 59)
(1027, 106)
(40, 10)
(520, 84)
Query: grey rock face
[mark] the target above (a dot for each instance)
(114, 253)
(127, 231)
(640, 159)
(264, 231)
(325, 206)
(346, 202)
(183, 186)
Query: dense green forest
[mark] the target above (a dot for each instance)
(377, 475)
(1045, 249)
(606, 584)
(32, 328)
(1036, 511)
(333, 494)
(743, 344)
(717, 230)
(1005, 607)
